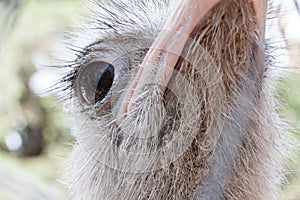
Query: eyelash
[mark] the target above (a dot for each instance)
(67, 83)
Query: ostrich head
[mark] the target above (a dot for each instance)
(172, 101)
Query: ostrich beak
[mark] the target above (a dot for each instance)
(187, 15)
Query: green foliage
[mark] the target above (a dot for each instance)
(36, 27)
(33, 26)
(289, 93)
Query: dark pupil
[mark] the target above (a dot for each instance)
(105, 83)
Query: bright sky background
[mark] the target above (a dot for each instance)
(293, 21)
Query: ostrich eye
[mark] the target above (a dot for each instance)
(94, 82)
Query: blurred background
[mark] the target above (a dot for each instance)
(35, 137)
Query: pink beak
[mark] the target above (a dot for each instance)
(184, 19)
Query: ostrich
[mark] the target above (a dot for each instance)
(174, 100)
